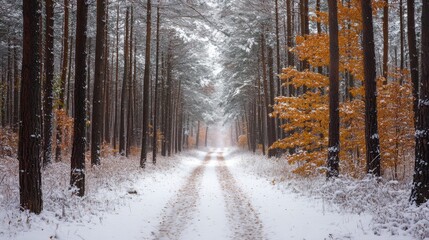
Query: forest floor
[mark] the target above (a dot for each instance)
(213, 194)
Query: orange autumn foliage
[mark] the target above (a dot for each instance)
(306, 114)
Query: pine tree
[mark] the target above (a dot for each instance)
(420, 191)
(371, 122)
(77, 174)
(155, 105)
(49, 83)
(385, 38)
(65, 67)
(414, 58)
(30, 183)
(122, 115)
(146, 103)
(99, 74)
(334, 116)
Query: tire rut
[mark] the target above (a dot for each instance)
(243, 218)
(179, 212)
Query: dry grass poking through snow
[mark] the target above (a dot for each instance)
(387, 201)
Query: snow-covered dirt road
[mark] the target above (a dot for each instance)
(208, 195)
(211, 206)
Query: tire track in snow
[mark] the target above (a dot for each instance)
(180, 210)
(243, 218)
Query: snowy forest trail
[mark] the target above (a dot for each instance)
(210, 205)
(212, 195)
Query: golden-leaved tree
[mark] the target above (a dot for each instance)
(306, 113)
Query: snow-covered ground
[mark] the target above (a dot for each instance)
(217, 194)
(341, 209)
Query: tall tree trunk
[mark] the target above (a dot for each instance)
(30, 183)
(414, 58)
(385, 39)
(68, 103)
(334, 115)
(3, 97)
(207, 133)
(16, 90)
(401, 29)
(107, 79)
(305, 29)
(136, 111)
(319, 31)
(155, 105)
(371, 126)
(197, 135)
(64, 70)
(77, 175)
(290, 56)
(164, 107)
(271, 121)
(261, 118)
(115, 124)
(124, 88)
(41, 62)
(146, 103)
(88, 95)
(278, 63)
(266, 95)
(420, 190)
(97, 100)
(278, 122)
(254, 125)
(169, 101)
(9, 84)
(130, 110)
(49, 83)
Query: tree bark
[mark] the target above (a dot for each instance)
(155, 105)
(414, 58)
(267, 100)
(77, 174)
(164, 107)
(197, 135)
(305, 29)
(278, 122)
(30, 183)
(401, 29)
(124, 88)
(371, 126)
(334, 115)
(16, 90)
(64, 70)
(49, 83)
(420, 190)
(261, 118)
(207, 133)
(130, 110)
(290, 56)
(115, 124)
(385, 39)
(3, 98)
(146, 103)
(68, 103)
(271, 120)
(107, 79)
(97, 100)
(88, 95)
